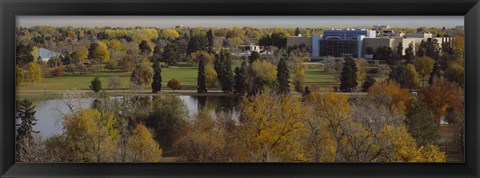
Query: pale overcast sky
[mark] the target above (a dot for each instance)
(241, 21)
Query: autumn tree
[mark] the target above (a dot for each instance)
(411, 76)
(298, 70)
(439, 97)
(157, 77)
(80, 55)
(142, 74)
(424, 66)
(270, 129)
(114, 82)
(334, 66)
(19, 77)
(392, 95)
(264, 76)
(362, 65)
(174, 85)
(34, 72)
(283, 76)
(99, 52)
(142, 147)
(211, 78)
(349, 75)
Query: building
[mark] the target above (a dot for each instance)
(300, 41)
(378, 26)
(246, 50)
(341, 43)
(44, 55)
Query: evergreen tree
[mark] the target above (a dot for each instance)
(400, 49)
(253, 57)
(210, 40)
(297, 31)
(421, 124)
(369, 81)
(223, 67)
(201, 87)
(241, 74)
(409, 55)
(96, 85)
(421, 51)
(349, 75)
(157, 77)
(398, 74)
(283, 75)
(26, 115)
(171, 54)
(23, 54)
(196, 43)
(144, 48)
(435, 74)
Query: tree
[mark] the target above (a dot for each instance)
(201, 86)
(23, 54)
(400, 50)
(142, 147)
(211, 78)
(384, 53)
(369, 50)
(440, 96)
(174, 85)
(421, 50)
(99, 52)
(18, 76)
(80, 55)
(298, 69)
(25, 113)
(409, 54)
(196, 43)
(223, 67)
(349, 75)
(297, 31)
(142, 74)
(421, 125)
(171, 54)
(384, 69)
(210, 40)
(456, 73)
(241, 74)
(435, 74)
(264, 76)
(253, 57)
(34, 72)
(424, 66)
(411, 76)
(369, 81)
(362, 65)
(96, 85)
(144, 47)
(392, 95)
(114, 82)
(157, 77)
(334, 66)
(283, 76)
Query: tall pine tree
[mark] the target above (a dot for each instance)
(241, 74)
(349, 75)
(409, 54)
(157, 77)
(201, 87)
(283, 75)
(26, 115)
(223, 67)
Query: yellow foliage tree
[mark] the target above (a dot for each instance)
(440, 96)
(169, 34)
(270, 129)
(142, 147)
(389, 92)
(34, 72)
(80, 55)
(362, 65)
(264, 69)
(211, 76)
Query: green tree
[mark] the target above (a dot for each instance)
(455, 73)
(349, 75)
(223, 66)
(201, 86)
(421, 124)
(171, 54)
(26, 115)
(283, 76)
(369, 81)
(144, 47)
(253, 57)
(18, 76)
(400, 49)
(196, 43)
(424, 66)
(409, 54)
(23, 54)
(411, 76)
(241, 74)
(211, 41)
(435, 74)
(96, 85)
(142, 74)
(157, 77)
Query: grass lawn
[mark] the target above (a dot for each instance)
(187, 76)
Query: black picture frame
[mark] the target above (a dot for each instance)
(9, 9)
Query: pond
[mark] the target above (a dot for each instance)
(50, 113)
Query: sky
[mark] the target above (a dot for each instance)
(241, 21)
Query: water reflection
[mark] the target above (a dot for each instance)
(50, 113)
